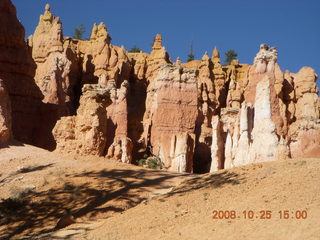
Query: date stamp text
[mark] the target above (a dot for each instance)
(260, 214)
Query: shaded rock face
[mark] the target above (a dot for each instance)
(89, 97)
(16, 72)
(5, 115)
(145, 71)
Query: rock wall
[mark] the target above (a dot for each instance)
(145, 71)
(100, 126)
(303, 109)
(119, 146)
(101, 60)
(85, 133)
(64, 65)
(271, 123)
(5, 115)
(173, 115)
(264, 139)
(57, 71)
(17, 70)
(203, 116)
(92, 98)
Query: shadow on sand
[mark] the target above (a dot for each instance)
(104, 192)
(38, 212)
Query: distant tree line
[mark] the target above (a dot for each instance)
(135, 49)
(229, 55)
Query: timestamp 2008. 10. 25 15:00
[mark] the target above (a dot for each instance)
(260, 214)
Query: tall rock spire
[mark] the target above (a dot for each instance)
(215, 57)
(157, 44)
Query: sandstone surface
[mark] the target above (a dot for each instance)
(172, 116)
(203, 116)
(90, 97)
(85, 134)
(5, 115)
(57, 70)
(17, 70)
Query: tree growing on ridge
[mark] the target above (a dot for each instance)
(79, 31)
(135, 49)
(230, 55)
(190, 55)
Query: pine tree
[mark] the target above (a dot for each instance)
(190, 55)
(79, 31)
(230, 55)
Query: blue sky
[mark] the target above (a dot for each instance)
(293, 26)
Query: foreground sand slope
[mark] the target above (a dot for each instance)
(111, 200)
(38, 187)
(186, 212)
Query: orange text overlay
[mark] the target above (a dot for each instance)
(260, 214)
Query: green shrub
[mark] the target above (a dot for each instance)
(154, 163)
(142, 162)
(150, 162)
(135, 49)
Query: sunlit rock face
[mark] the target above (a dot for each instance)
(303, 109)
(90, 97)
(173, 116)
(203, 116)
(278, 118)
(57, 70)
(85, 134)
(264, 138)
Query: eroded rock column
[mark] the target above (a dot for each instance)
(217, 146)
(264, 138)
(85, 133)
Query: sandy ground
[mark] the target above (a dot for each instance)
(110, 200)
(187, 212)
(48, 185)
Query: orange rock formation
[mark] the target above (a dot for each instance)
(99, 99)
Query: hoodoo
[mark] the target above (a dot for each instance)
(90, 97)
